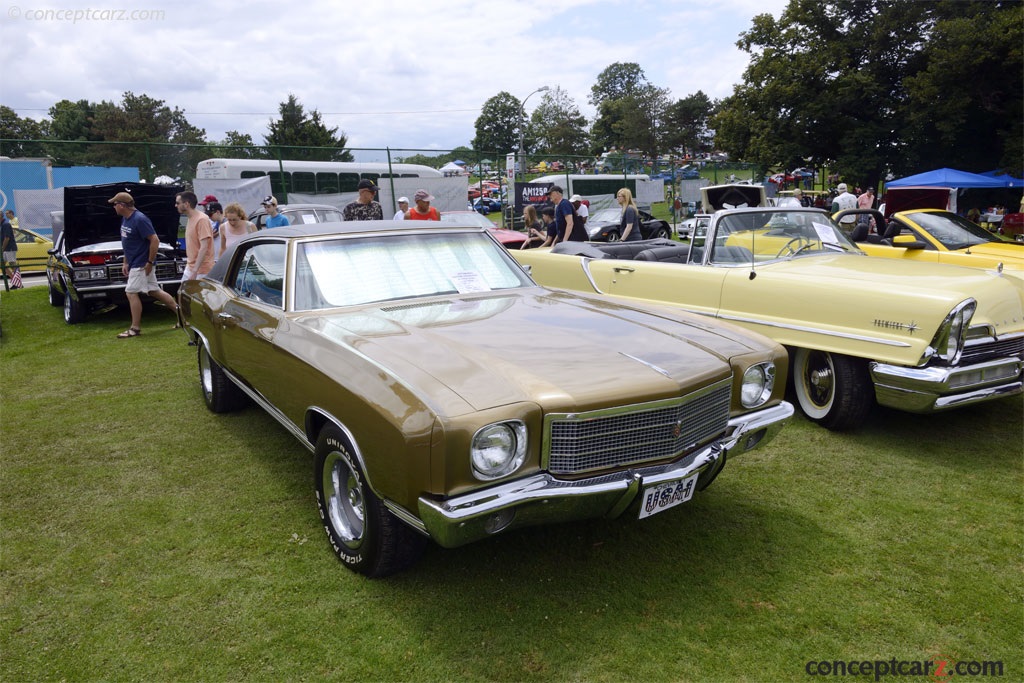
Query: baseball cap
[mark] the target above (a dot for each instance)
(122, 198)
(555, 188)
(366, 185)
(268, 200)
(841, 187)
(576, 198)
(208, 199)
(403, 200)
(423, 196)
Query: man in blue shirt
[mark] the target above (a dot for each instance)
(274, 219)
(141, 244)
(568, 228)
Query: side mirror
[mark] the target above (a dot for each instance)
(907, 242)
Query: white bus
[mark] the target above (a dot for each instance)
(310, 177)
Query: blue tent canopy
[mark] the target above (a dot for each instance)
(1006, 179)
(950, 177)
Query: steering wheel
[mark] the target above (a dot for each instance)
(802, 242)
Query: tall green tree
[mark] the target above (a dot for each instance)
(557, 126)
(630, 110)
(20, 134)
(499, 125)
(300, 132)
(686, 124)
(864, 87)
(235, 145)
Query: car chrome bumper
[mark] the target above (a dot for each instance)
(928, 390)
(542, 498)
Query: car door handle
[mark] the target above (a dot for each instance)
(227, 320)
(623, 269)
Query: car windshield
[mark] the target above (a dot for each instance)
(749, 236)
(951, 230)
(363, 270)
(605, 216)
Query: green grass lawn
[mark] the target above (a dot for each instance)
(144, 538)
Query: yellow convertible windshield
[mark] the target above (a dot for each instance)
(755, 236)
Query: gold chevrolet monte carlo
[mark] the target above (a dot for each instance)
(918, 337)
(445, 395)
(936, 236)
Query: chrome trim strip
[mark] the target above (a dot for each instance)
(813, 330)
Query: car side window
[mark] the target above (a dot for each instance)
(260, 274)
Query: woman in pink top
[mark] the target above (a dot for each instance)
(234, 228)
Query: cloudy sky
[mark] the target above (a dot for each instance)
(404, 74)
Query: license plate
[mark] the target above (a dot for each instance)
(667, 495)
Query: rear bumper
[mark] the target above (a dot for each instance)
(928, 390)
(542, 498)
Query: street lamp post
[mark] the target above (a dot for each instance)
(522, 126)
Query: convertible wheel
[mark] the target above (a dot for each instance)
(55, 297)
(662, 233)
(219, 392)
(613, 236)
(832, 390)
(74, 312)
(363, 533)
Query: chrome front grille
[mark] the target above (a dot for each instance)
(165, 270)
(635, 434)
(1007, 347)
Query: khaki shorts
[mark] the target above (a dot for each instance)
(10, 257)
(140, 283)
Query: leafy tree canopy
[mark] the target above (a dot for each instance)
(499, 125)
(299, 131)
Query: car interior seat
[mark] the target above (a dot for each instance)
(675, 254)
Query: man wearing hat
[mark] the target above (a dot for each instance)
(365, 207)
(843, 201)
(403, 206)
(566, 226)
(582, 210)
(423, 211)
(274, 219)
(141, 244)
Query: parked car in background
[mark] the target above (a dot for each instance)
(33, 250)
(389, 354)
(603, 226)
(84, 271)
(486, 205)
(919, 337)
(510, 239)
(935, 236)
(695, 227)
(299, 214)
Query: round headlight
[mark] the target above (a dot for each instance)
(498, 449)
(758, 383)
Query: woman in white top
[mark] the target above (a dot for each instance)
(234, 227)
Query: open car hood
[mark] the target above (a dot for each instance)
(718, 197)
(89, 219)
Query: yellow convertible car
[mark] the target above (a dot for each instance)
(937, 236)
(919, 337)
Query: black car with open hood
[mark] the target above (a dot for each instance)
(85, 269)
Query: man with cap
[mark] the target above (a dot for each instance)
(403, 207)
(365, 207)
(274, 219)
(582, 210)
(566, 227)
(141, 244)
(423, 211)
(843, 201)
